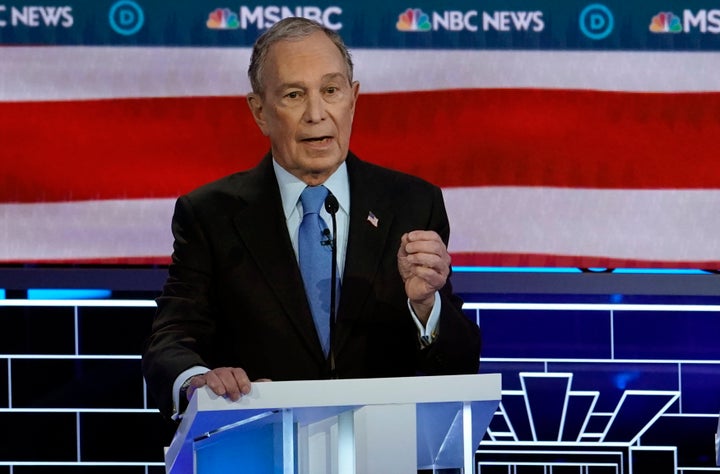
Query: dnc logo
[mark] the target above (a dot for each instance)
(223, 19)
(413, 19)
(666, 22)
(126, 17)
(596, 21)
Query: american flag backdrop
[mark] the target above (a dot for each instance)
(584, 154)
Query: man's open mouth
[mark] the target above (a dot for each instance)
(317, 139)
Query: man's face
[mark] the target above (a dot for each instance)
(307, 106)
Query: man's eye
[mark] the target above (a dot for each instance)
(292, 95)
(331, 90)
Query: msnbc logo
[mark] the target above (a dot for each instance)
(666, 22)
(413, 19)
(223, 19)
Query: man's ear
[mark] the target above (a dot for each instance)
(258, 111)
(355, 87)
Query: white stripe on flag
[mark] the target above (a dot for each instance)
(667, 225)
(79, 73)
(86, 229)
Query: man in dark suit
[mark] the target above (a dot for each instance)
(234, 308)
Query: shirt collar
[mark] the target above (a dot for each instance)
(291, 187)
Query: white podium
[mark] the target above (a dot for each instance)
(350, 426)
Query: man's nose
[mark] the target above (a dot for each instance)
(315, 108)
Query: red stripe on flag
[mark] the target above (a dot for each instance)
(161, 147)
(130, 148)
(546, 138)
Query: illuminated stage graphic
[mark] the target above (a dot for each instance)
(640, 396)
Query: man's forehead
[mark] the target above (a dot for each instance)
(327, 62)
(317, 43)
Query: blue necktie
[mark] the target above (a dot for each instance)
(315, 256)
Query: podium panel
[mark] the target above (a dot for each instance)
(257, 444)
(353, 426)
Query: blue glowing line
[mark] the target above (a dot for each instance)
(661, 271)
(516, 270)
(66, 294)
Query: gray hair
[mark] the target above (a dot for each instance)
(290, 29)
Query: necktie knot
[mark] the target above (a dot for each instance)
(312, 199)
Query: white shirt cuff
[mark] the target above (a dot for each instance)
(192, 371)
(428, 332)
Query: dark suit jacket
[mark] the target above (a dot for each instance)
(234, 296)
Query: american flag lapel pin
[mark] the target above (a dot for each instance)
(372, 219)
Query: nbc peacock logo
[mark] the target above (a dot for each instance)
(666, 22)
(222, 19)
(413, 19)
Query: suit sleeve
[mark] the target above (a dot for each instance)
(456, 349)
(182, 325)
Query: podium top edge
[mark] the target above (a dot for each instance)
(356, 392)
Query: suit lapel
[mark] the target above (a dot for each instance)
(261, 226)
(366, 242)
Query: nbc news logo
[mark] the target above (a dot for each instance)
(416, 20)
